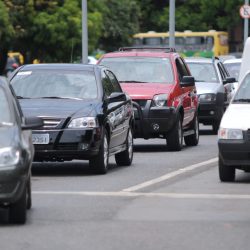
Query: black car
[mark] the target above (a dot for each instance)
(215, 88)
(16, 155)
(86, 114)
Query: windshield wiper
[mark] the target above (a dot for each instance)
(241, 100)
(59, 97)
(131, 81)
(21, 97)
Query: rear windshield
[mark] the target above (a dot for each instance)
(141, 69)
(55, 83)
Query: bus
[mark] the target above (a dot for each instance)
(188, 43)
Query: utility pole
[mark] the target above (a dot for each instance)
(172, 23)
(246, 25)
(84, 32)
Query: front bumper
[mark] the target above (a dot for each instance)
(68, 144)
(209, 112)
(235, 153)
(153, 122)
(13, 181)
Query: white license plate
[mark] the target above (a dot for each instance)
(40, 138)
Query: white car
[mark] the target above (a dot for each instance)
(234, 134)
(233, 67)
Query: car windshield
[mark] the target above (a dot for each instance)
(243, 93)
(141, 69)
(55, 84)
(233, 69)
(5, 117)
(203, 72)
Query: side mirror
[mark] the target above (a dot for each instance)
(187, 81)
(32, 123)
(117, 97)
(229, 79)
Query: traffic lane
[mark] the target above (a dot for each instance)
(145, 221)
(151, 160)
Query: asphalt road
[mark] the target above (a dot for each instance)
(165, 200)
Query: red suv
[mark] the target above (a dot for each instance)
(163, 93)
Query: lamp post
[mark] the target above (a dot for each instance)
(246, 24)
(172, 23)
(84, 32)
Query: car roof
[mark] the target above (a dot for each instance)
(61, 66)
(162, 52)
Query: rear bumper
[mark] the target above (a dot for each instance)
(209, 112)
(153, 122)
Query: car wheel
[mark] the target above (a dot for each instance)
(17, 210)
(29, 196)
(99, 163)
(175, 136)
(226, 173)
(125, 158)
(193, 140)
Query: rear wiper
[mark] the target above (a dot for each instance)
(241, 100)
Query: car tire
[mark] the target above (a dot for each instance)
(193, 139)
(125, 158)
(175, 136)
(226, 173)
(99, 163)
(29, 196)
(17, 210)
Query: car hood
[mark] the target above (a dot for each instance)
(7, 136)
(61, 108)
(207, 87)
(236, 116)
(145, 90)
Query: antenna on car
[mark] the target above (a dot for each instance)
(148, 48)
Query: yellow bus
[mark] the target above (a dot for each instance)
(188, 43)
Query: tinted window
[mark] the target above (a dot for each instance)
(203, 72)
(114, 81)
(55, 83)
(107, 85)
(141, 69)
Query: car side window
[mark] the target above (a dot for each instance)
(222, 72)
(114, 81)
(108, 88)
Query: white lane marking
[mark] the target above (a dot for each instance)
(170, 175)
(138, 194)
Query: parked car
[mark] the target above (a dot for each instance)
(163, 93)
(85, 112)
(16, 155)
(234, 134)
(214, 87)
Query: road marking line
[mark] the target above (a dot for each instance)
(170, 175)
(138, 194)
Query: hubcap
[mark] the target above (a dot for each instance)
(130, 144)
(105, 151)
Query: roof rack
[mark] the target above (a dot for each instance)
(148, 48)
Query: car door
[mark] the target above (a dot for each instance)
(115, 110)
(188, 94)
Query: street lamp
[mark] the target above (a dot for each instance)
(172, 23)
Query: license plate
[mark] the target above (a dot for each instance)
(40, 138)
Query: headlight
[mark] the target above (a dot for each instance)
(160, 100)
(207, 97)
(230, 134)
(84, 122)
(9, 156)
